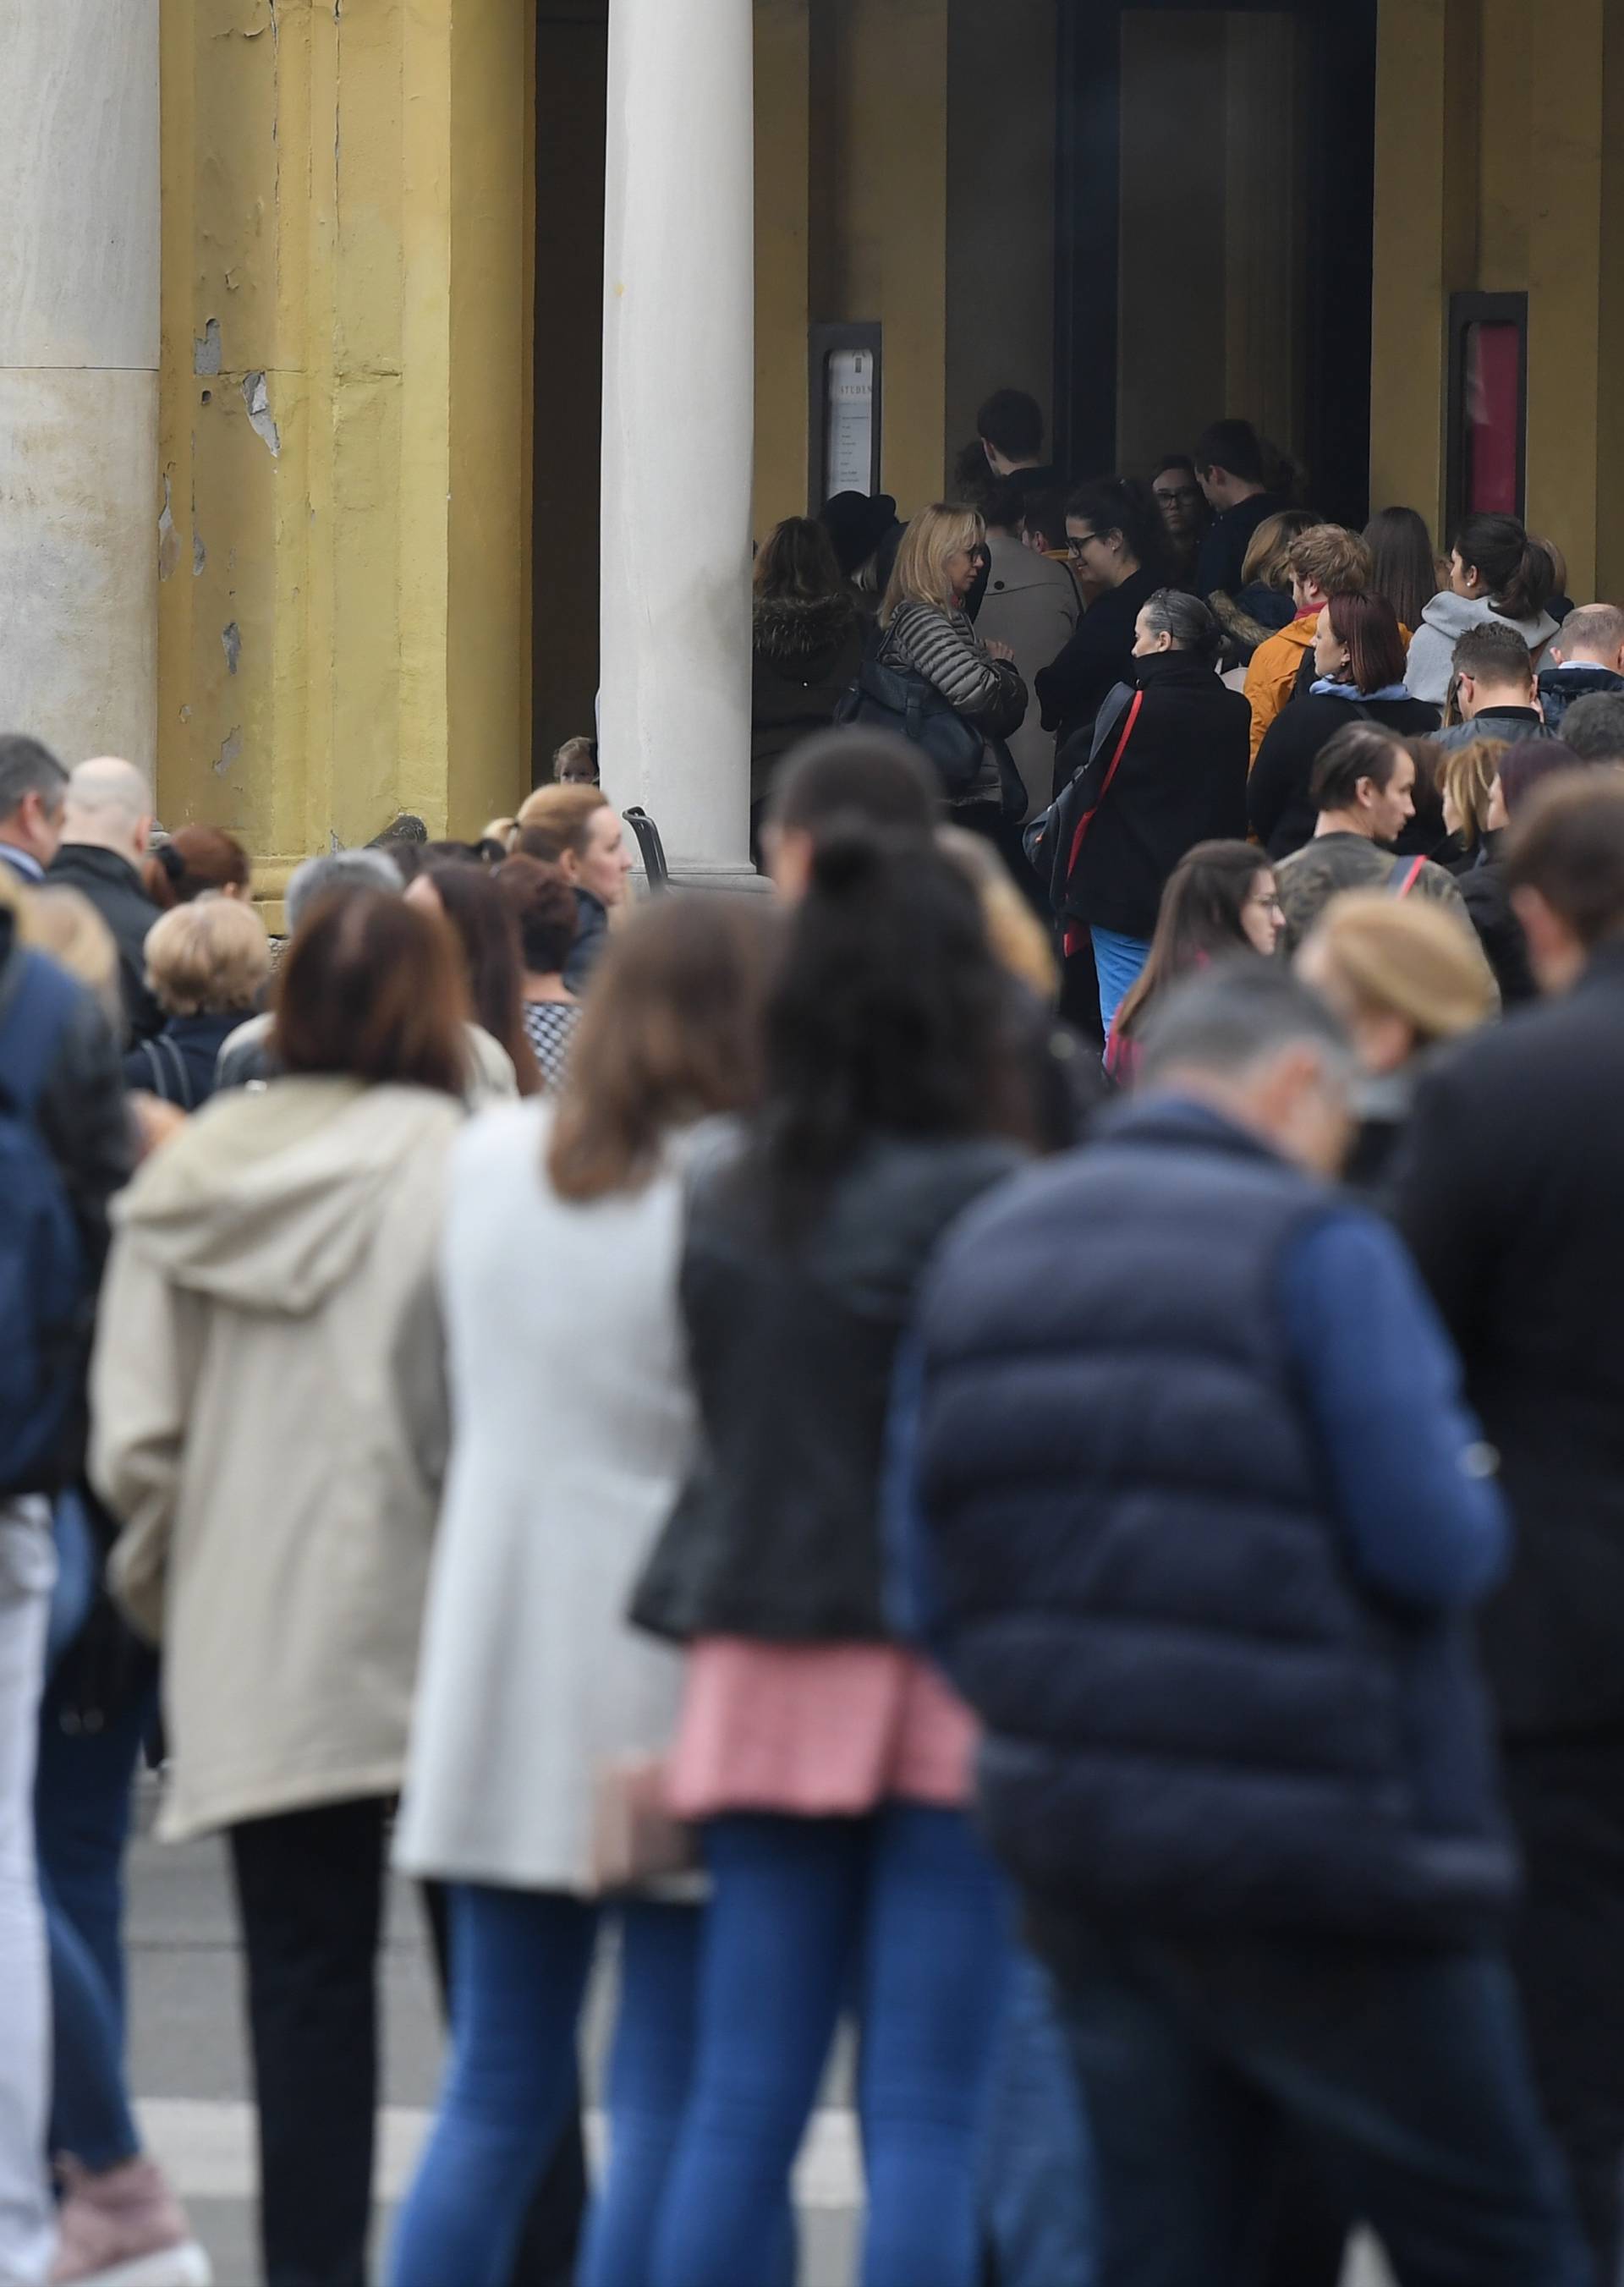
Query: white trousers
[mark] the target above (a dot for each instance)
(27, 2228)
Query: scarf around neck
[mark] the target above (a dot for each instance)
(1326, 689)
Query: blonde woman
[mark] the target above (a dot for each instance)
(207, 964)
(1466, 781)
(1405, 977)
(927, 633)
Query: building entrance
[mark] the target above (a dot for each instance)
(1216, 197)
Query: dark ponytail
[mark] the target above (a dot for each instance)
(1518, 571)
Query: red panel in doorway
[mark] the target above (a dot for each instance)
(1493, 416)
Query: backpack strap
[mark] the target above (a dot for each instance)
(1405, 873)
(163, 1051)
(31, 1028)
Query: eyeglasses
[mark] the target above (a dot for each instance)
(1076, 542)
(1169, 492)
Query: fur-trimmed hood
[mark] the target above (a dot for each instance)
(800, 635)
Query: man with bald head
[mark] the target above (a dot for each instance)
(104, 836)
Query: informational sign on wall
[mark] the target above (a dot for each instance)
(845, 401)
(850, 417)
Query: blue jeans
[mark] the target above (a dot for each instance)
(1402, 2071)
(1037, 2189)
(82, 1803)
(906, 1910)
(519, 1964)
(1117, 961)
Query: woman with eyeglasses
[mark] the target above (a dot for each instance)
(1220, 901)
(1114, 534)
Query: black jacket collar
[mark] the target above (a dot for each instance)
(88, 858)
(1174, 666)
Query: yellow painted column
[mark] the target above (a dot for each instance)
(1569, 244)
(879, 213)
(1609, 405)
(1425, 239)
(342, 621)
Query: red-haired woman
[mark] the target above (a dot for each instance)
(1360, 664)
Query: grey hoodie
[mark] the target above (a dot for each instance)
(1443, 623)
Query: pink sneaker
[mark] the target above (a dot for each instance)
(125, 2228)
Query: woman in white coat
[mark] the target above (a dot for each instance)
(541, 1718)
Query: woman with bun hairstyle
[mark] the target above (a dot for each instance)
(197, 861)
(1496, 572)
(1179, 743)
(827, 1766)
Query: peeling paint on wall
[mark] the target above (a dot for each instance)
(257, 397)
(228, 753)
(169, 539)
(199, 556)
(231, 639)
(206, 349)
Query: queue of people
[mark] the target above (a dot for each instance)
(728, 1427)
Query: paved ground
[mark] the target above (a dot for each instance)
(189, 2068)
(191, 2080)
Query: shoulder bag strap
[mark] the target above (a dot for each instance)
(164, 1049)
(1089, 815)
(1405, 873)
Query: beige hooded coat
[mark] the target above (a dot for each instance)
(270, 1426)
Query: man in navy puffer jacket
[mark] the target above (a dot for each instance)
(1193, 1514)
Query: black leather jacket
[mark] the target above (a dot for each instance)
(777, 1536)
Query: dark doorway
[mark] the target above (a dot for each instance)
(572, 65)
(1214, 244)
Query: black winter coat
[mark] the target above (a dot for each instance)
(1072, 690)
(1507, 1192)
(178, 1064)
(1279, 806)
(804, 655)
(1483, 892)
(1181, 779)
(1560, 687)
(113, 888)
(777, 1536)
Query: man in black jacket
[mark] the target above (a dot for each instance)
(104, 837)
(1509, 1196)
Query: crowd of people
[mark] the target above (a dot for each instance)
(727, 1426)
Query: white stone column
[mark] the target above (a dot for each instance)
(79, 257)
(678, 410)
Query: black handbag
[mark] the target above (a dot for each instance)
(899, 699)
